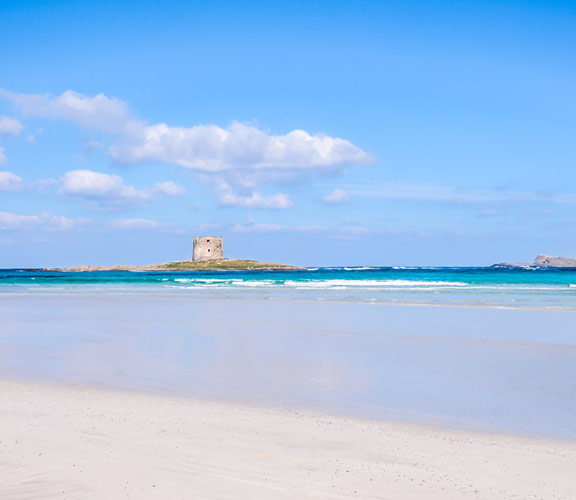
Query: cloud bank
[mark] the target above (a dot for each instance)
(237, 153)
(212, 149)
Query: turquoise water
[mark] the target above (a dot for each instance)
(312, 338)
(471, 286)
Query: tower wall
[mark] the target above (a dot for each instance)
(208, 248)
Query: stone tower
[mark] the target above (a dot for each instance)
(208, 248)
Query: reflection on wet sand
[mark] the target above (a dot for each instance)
(475, 368)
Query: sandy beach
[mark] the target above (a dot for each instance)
(74, 442)
(112, 396)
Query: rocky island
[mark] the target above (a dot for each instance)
(543, 261)
(208, 255)
(188, 265)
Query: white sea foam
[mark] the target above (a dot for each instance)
(333, 284)
(372, 283)
(358, 268)
(207, 282)
(342, 284)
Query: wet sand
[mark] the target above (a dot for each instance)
(509, 371)
(63, 442)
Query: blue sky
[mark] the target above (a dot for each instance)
(313, 133)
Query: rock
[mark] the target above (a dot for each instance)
(548, 261)
(541, 261)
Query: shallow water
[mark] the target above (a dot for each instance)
(487, 287)
(475, 368)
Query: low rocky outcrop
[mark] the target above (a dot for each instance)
(548, 261)
(543, 261)
(188, 265)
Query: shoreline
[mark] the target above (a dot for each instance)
(102, 443)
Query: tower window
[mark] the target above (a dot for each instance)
(208, 250)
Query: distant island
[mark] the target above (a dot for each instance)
(543, 261)
(208, 255)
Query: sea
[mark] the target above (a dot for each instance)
(484, 349)
(527, 287)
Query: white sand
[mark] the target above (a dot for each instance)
(73, 442)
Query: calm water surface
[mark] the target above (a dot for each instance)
(510, 370)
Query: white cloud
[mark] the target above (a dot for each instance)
(336, 197)
(210, 148)
(238, 153)
(169, 188)
(10, 181)
(2, 156)
(109, 191)
(42, 222)
(10, 126)
(104, 189)
(100, 113)
(143, 224)
(254, 199)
